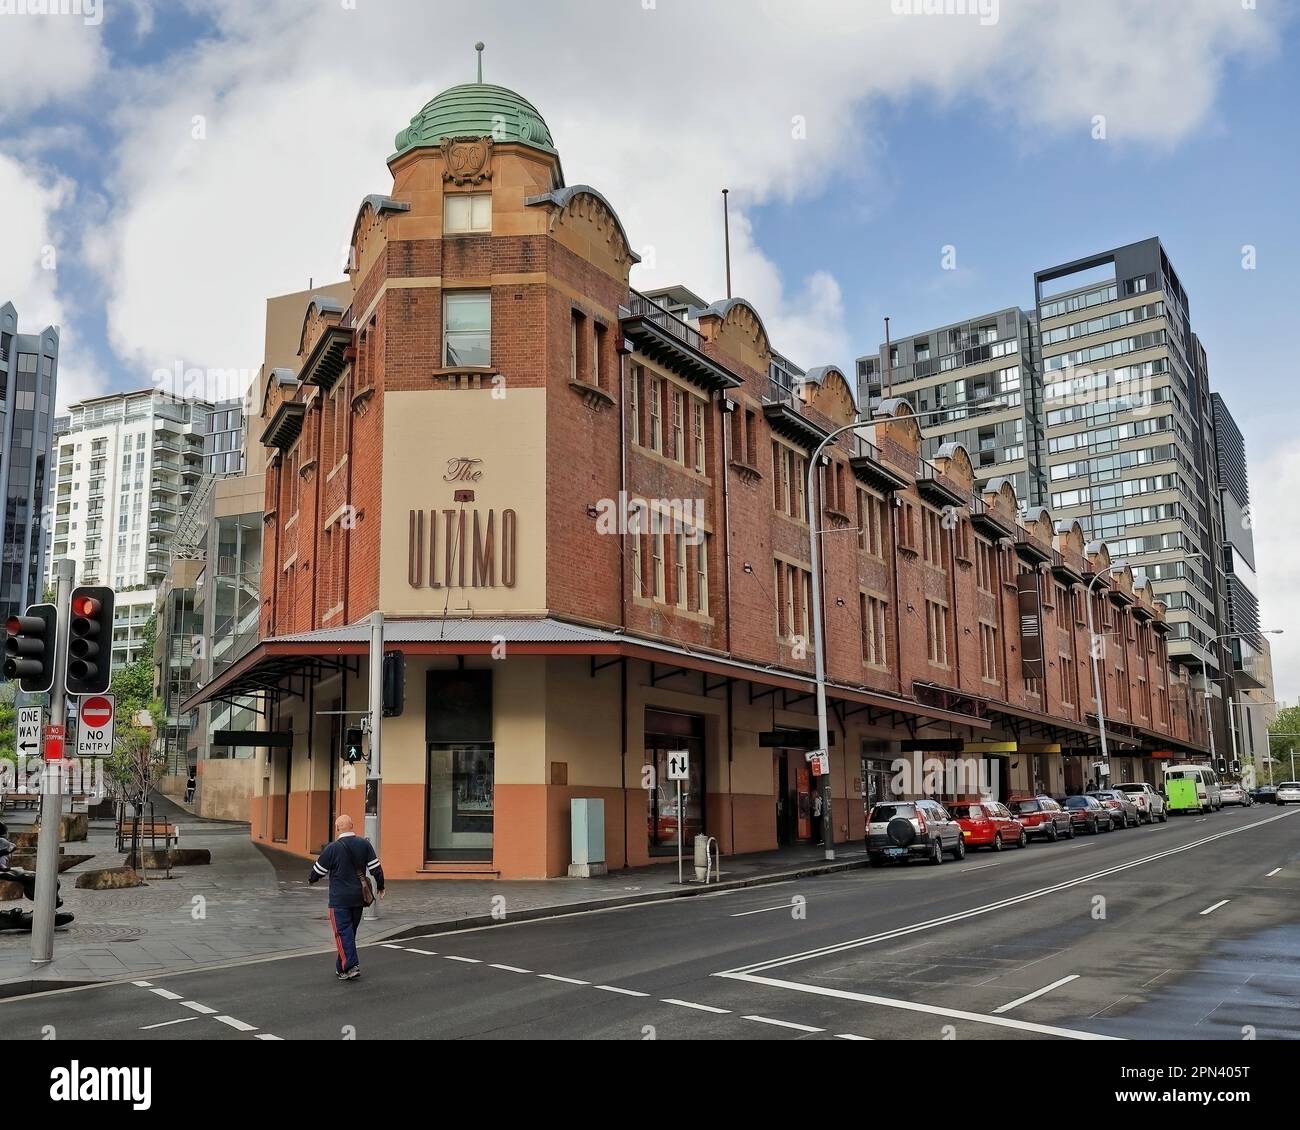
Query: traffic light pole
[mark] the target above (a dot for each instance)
(47, 846)
(375, 773)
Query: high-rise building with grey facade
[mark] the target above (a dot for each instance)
(29, 367)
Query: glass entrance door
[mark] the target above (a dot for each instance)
(665, 824)
(460, 801)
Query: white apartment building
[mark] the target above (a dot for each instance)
(126, 466)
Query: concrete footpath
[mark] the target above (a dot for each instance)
(250, 902)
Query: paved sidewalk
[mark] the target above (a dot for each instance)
(253, 903)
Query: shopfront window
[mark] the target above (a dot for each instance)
(665, 733)
(461, 766)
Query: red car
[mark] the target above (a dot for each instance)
(987, 823)
(1042, 816)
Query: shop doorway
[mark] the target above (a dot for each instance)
(796, 799)
(665, 733)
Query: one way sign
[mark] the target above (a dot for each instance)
(28, 731)
(679, 765)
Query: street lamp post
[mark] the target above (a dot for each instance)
(1093, 648)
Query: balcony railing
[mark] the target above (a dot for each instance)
(643, 307)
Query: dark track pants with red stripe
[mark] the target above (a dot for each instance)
(344, 921)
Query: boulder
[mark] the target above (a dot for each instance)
(10, 890)
(73, 827)
(108, 879)
(28, 860)
(156, 859)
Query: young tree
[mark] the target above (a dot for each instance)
(1283, 737)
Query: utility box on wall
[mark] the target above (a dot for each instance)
(587, 836)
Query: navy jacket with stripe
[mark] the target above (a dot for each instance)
(340, 861)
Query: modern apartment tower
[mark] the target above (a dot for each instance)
(976, 383)
(1129, 449)
(29, 366)
(128, 465)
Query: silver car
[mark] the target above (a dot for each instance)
(1235, 794)
(1150, 801)
(1288, 792)
(912, 829)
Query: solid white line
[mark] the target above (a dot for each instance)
(765, 910)
(510, 969)
(268, 1036)
(1212, 909)
(238, 1025)
(466, 960)
(202, 1008)
(422, 953)
(1002, 904)
(622, 992)
(851, 1036)
(166, 1023)
(1275, 871)
(782, 1024)
(1035, 994)
(562, 980)
(166, 994)
(913, 1006)
(697, 1007)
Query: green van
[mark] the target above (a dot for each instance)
(1191, 788)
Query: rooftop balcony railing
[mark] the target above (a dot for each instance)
(642, 307)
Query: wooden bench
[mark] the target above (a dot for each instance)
(150, 833)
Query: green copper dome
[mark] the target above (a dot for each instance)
(476, 109)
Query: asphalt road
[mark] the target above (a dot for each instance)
(1188, 930)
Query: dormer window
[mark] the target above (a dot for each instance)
(464, 213)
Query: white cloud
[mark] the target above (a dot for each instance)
(46, 59)
(1275, 486)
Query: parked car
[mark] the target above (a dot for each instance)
(1149, 800)
(1042, 817)
(1235, 794)
(1124, 810)
(1088, 814)
(986, 823)
(1288, 792)
(1265, 794)
(913, 829)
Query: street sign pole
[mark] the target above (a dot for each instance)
(679, 770)
(376, 770)
(680, 828)
(47, 847)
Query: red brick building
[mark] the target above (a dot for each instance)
(582, 511)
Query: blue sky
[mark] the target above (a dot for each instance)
(921, 132)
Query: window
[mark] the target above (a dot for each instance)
(789, 489)
(657, 564)
(679, 570)
(907, 532)
(634, 403)
(656, 414)
(467, 328)
(936, 630)
(598, 357)
(751, 437)
(1069, 680)
(988, 651)
(638, 582)
(873, 631)
(697, 433)
(871, 524)
(932, 537)
(984, 565)
(466, 212)
(577, 346)
(679, 426)
(702, 575)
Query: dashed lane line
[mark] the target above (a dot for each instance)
(696, 1007)
(168, 1023)
(506, 968)
(1035, 994)
(621, 992)
(562, 980)
(202, 1009)
(1212, 909)
(237, 1025)
(783, 1024)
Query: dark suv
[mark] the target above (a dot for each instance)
(912, 829)
(1090, 815)
(1042, 817)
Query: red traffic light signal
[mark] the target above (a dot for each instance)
(90, 634)
(30, 641)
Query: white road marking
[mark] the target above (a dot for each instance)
(466, 960)
(914, 1006)
(510, 969)
(782, 1024)
(422, 953)
(1002, 904)
(623, 992)
(1275, 871)
(765, 910)
(200, 1008)
(851, 1036)
(166, 994)
(146, 984)
(697, 1007)
(562, 980)
(1035, 994)
(390, 946)
(268, 1036)
(238, 1025)
(167, 1023)
(1212, 909)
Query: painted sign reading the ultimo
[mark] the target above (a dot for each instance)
(458, 549)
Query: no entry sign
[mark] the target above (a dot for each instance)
(95, 725)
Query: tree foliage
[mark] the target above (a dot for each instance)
(1283, 737)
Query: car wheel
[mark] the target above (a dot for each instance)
(1164, 816)
(959, 852)
(1052, 834)
(1023, 841)
(936, 852)
(1069, 832)
(997, 842)
(1092, 827)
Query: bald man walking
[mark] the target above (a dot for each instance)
(349, 861)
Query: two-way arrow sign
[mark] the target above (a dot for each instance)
(679, 765)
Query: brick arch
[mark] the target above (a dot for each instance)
(831, 392)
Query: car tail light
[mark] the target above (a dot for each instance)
(920, 821)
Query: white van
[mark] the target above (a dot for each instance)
(1208, 797)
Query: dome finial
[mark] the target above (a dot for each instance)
(479, 48)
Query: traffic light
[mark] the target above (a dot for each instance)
(352, 752)
(90, 640)
(29, 647)
(1221, 765)
(394, 683)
